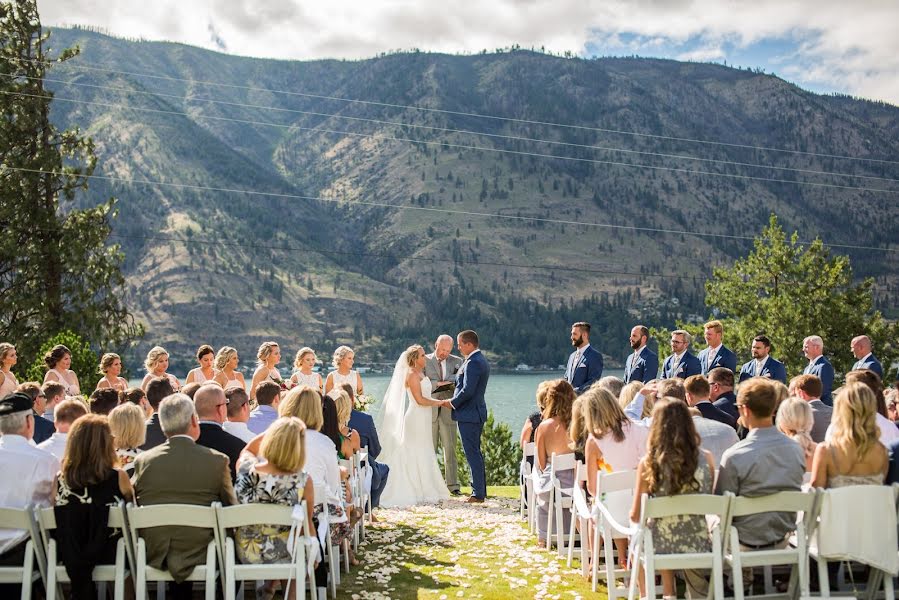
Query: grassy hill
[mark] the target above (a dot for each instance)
(224, 267)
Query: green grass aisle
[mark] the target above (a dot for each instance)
(457, 550)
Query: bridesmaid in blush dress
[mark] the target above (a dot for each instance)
(205, 372)
(111, 368)
(58, 361)
(157, 363)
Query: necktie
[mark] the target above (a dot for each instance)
(440, 369)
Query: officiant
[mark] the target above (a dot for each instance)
(441, 368)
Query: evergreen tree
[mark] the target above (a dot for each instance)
(56, 270)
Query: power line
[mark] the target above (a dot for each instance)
(514, 138)
(547, 220)
(465, 114)
(461, 146)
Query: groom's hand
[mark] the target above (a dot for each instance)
(448, 404)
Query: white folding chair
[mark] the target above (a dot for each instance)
(581, 515)
(354, 483)
(802, 503)
(362, 466)
(526, 486)
(611, 510)
(20, 518)
(56, 572)
(559, 501)
(332, 552)
(685, 504)
(300, 570)
(171, 515)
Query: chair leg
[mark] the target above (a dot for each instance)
(611, 564)
(823, 579)
(549, 521)
(571, 529)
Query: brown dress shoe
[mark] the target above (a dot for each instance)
(474, 500)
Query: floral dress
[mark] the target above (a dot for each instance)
(681, 534)
(265, 543)
(126, 458)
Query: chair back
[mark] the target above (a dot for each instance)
(241, 515)
(795, 502)
(616, 492)
(683, 504)
(562, 462)
(530, 448)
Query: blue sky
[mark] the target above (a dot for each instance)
(822, 45)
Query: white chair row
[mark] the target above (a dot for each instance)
(131, 550)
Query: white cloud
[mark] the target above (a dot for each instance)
(850, 46)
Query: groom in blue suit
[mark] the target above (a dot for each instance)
(717, 354)
(470, 409)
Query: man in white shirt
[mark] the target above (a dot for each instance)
(28, 472)
(238, 414)
(64, 415)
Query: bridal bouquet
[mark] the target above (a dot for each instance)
(363, 402)
(285, 384)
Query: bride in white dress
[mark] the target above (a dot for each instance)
(406, 439)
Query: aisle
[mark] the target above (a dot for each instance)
(457, 550)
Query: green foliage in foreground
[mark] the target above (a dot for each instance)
(84, 360)
(789, 290)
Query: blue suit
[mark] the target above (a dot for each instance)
(723, 358)
(643, 368)
(728, 403)
(689, 365)
(43, 429)
(710, 411)
(470, 412)
(772, 369)
(823, 370)
(893, 472)
(368, 437)
(586, 372)
(871, 363)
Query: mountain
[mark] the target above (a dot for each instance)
(373, 223)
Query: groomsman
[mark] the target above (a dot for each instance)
(762, 364)
(681, 363)
(861, 348)
(643, 363)
(820, 367)
(717, 354)
(441, 367)
(585, 363)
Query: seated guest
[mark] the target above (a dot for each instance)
(891, 397)
(268, 397)
(157, 364)
(368, 437)
(888, 430)
(852, 454)
(137, 397)
(640, 407)
(629, 392)
(66, 413)
(349, 439)
(129, 431)
(533, 421)
(111, 368)
(674, 464)
(552, 438)
(156, 389)
(54, 393)
(238, 414)
(762, 364)
(88, 483)
(612, 384)
(795, 420)
(190, 389)
(808, 388)
(765, 462)
(614, 443)
(211, 406)
(893, 471)
(203, 478)
(43, 428)
(305, 403)
(697, 392)
(28, 473)
(714, 436)
(721, 391)
(102, 401)
(577, 430)
(270, 471)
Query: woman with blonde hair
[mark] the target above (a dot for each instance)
(111, 369)
(533, 421)
(226, 362)
(8, 359)
(304, 375)
(343, 363)
(349, 438)
(628, 393)
(59, 360)
(852, 454)
(270, 470)
(577, 430)
(795, 420)
(615, 442)
(267, 358)
(129, 432)
(205, 372)
(552, 438)
(157, 364)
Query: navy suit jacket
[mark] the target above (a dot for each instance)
(710, 411)
(643, 368)
(469, 405)
(689, 365)
(728, 403)
(871, 363)
(43, 429)
(724, 358)
(368, 435)
(893, 472)
(823, 370)
(772, 369)
(587, 372)
(214, 437)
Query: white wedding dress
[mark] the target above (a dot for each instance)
(408, 447)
